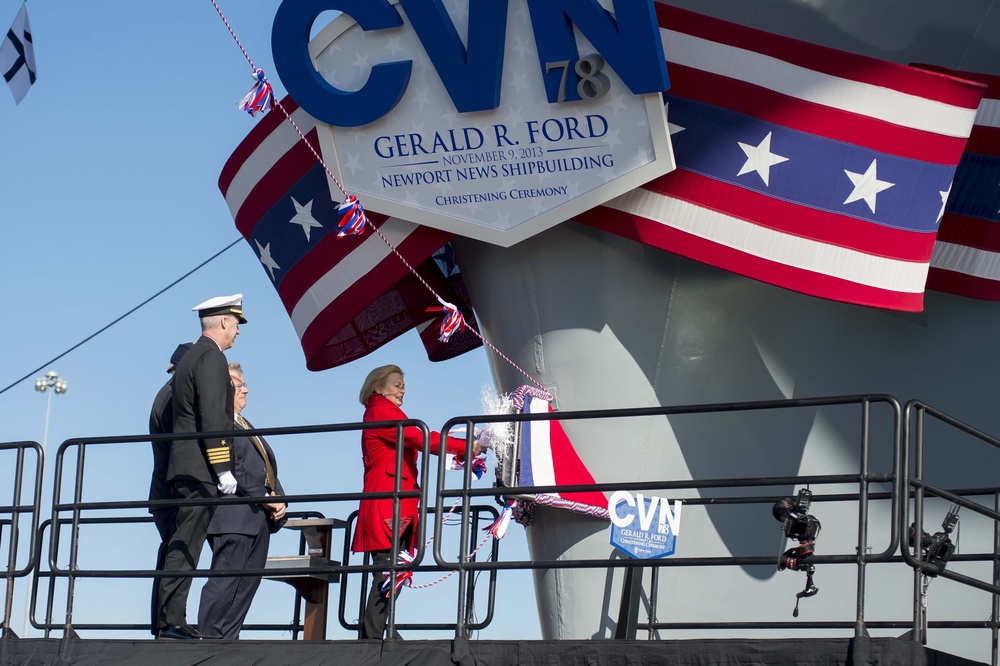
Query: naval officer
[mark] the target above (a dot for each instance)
(199, 468)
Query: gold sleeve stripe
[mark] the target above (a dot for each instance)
(218, 455)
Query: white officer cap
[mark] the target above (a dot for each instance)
(231, 305)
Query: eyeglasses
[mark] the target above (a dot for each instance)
(239, 386)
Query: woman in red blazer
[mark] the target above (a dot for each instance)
(382, 396)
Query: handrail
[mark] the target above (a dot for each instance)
(916, 413)
(903, 483)
(15, 510)
(77, 507)
(864, 478)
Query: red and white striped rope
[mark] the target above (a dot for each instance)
(235, 38)
(454, 571)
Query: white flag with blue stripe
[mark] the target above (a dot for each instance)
(17, 56)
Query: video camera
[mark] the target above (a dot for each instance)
(795, 518)
(937, 548)
(797, 523)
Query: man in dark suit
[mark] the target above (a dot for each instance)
(161, 420)
(240, 533)
(198, 468)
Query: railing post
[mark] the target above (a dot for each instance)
(628, 610)
(12, 550)
(995, 611)
(50, 598)
(74, 548)
(463, 541)
(18, 509)
(859, 626)
(919, 591)
(54, 534)
(654, 581)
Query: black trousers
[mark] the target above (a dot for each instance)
(164, 520)
(377, 606)
(184, 550)
(225, 601)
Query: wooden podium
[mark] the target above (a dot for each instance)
(312, 586)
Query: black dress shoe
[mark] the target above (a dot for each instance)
(180, 632)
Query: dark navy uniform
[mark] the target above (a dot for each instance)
(161, 421)
(239, 535)
(161, 418)
(202, 402)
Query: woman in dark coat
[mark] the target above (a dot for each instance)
(382, 396)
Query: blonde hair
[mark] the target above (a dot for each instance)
(375, 379)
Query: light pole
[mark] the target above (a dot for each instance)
(53, 381)
(58, 385)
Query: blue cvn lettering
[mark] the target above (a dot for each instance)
(290, 47)
(471, 75)
(629, 42)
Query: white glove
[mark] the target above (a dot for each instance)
(227, 483)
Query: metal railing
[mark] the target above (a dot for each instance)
(12, 516)
(893, 445)
(71, 515)
(930, 555)
(863, 478)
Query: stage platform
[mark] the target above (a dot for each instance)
(784, 652)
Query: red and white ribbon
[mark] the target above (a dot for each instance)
(261, 96)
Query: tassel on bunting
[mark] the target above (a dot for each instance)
(478, 465)
(402, 577)
(260, 97)
(499, 526)
(453, 320)
(352, 217)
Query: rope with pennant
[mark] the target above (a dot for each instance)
(495, 530)
(453, 320)
(351, 217)
(353, 220)
(499, 527)
(478, 465)
(261, 96)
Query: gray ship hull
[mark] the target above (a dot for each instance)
(609, 323)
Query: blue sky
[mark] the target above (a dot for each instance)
(108, 193)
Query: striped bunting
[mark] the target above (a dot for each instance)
(966, 259)
(808, 168)
(345, 296)
(549, 459)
